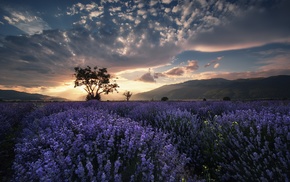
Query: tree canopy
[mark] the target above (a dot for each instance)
(96, 81)
(164, 99)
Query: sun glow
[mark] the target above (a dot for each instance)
(68, 91)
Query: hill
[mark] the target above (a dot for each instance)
(275, 87)
(12, 95)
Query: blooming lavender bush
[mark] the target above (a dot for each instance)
(184, 129)
(145, 141)
(11, 115)
(254, 146)
(206, 138)
(188, 124)
(91, 145)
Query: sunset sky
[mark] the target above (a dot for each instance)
(145, 43)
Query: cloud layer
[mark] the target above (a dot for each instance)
(191, 66)
(124, 35)
(253, 24)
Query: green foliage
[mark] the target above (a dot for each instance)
(96, 81)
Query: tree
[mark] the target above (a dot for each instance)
(164, 99)
(226, 98)
(96, 81)
(127, 94)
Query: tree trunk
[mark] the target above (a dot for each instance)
(97, 97)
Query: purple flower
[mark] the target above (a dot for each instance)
(117, 166)
(288, 136)
(80, 171)
(154, 141)
(90, 169)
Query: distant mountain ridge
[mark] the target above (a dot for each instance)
(274, 87)
(12, 95)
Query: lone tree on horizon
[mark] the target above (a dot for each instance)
(96, 81)
(226, 98)
(128, 94)
(164, 99)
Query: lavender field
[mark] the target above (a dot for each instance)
(145, 141)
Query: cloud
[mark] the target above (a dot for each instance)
(95, 14)
(147, 77)
(191, 66)
(79, 7)
(214, 62)
(176, 9)
(177, 71)
(91, 6)
(26, 21)
(276, 62)
(173, 72)
(242, 75)
(141, 12)
(219, 5)
(166, 1)
(151, 77)
(141, 5)
(153, 2)
(53, 54)
(250, 26)
(126, 16)
(103, 35)
(167, 10)
(9, 20)
(152, 11)
(115, 9)
(158, 75)
(216, 65)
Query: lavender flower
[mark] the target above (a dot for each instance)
(101, 146)
(150, 141)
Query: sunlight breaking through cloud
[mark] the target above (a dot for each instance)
(44, 41)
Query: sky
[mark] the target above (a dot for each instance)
(144, 44)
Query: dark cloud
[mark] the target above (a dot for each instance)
(253, 74)
(147, 77)
(106, 37)
(34, 60)
(57, 52)
(132, 35)
(254, 26)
